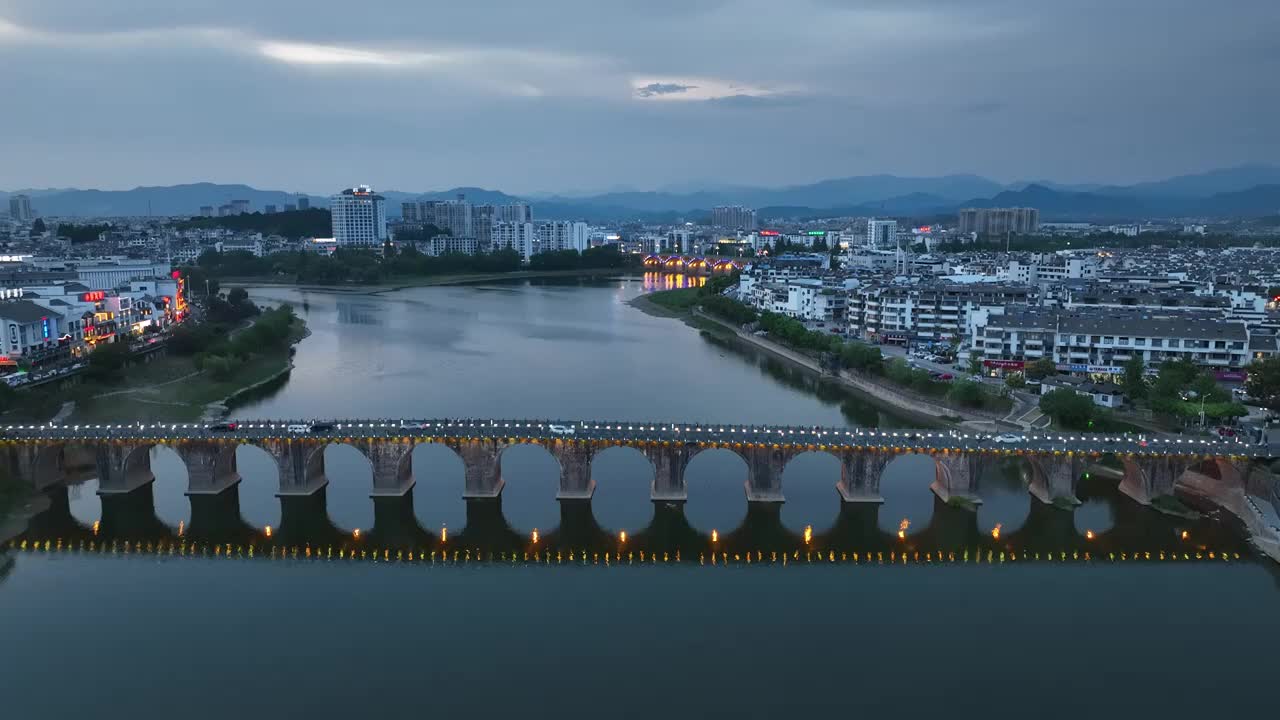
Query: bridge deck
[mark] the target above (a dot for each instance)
(640, 433)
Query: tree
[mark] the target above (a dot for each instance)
(975, 364)
(1264, 382)
(1135, 378)
(1040, 369)
(966, 393)
(1068, 408)
(1015, 381)
(106, 362)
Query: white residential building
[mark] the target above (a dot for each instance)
(882, 234)
(518, 236)
(359, 217)
(557, 235)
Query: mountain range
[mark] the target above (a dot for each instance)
(1245, 191)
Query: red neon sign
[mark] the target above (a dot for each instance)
(770, 233)
(175, 274)
(94, 296)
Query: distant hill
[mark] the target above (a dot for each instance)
(1245, 191)
(163, 200)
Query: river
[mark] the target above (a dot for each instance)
(948, 618)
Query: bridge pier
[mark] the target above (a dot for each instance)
(669, 463)
(211, 466)
(42, 465)
(1053, 478)
(392, 462)
(956, 477)
(1147, 478)
(482, 468)
(764, 473)
(575, 458)
(301, 465)
(860, 473)
(123, 467)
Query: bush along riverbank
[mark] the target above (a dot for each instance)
(203, 364)
(829, 352)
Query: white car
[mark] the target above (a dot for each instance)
(1007, 438)
(412, 425)
(561, 430)
(299, 428)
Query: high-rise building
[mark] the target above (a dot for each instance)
(482, 224)
(206, 211)
(269, 209)
(20, 208)
(359, 217)
(290, 207)
(409, 212)
(304, 202)
(999, 221)
(557, 235)
(680, 241)
(239, 206)
(733, 217)
(451, 215)
(515, 212)
(514, 236)
(882, 234)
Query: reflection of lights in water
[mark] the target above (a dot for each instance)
(808, 534)
(182, 528)
(1185, 535)
(622, 536)
(444, 533)
(96, 525)
(267, 531)
(902, 528)
(534, 537)
(1088, 534)
(715, 536)
(356, 533)
(995, 531)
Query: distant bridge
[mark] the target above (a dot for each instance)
(1151, 468)
(691, 264)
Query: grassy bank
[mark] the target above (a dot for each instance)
(170, 388)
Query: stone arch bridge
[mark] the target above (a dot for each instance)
(1151, 468)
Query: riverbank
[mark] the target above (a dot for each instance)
(877, 392)
(429, 280)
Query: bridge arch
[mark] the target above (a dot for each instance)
(439, 485)
(626, 475)
(905, 485)
(714, 479)
(348, 470)
(812, 480)
(528, 470)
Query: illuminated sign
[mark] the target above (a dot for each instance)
(769, 233)
(175, 274)
(94, 296)
(45, 330)
(1004, 364)
(815, 233)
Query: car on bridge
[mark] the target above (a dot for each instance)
(222, 427)
(318, 427)
(561, 430)
(412, 425)
(297, 428)
(1008, 438)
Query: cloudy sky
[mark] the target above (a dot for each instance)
(586, 95)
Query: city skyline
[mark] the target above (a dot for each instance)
(592, 96)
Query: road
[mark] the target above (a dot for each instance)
(631, 432)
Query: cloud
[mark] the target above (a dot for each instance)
(311, 54)
(699, 88)
(658, 88)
